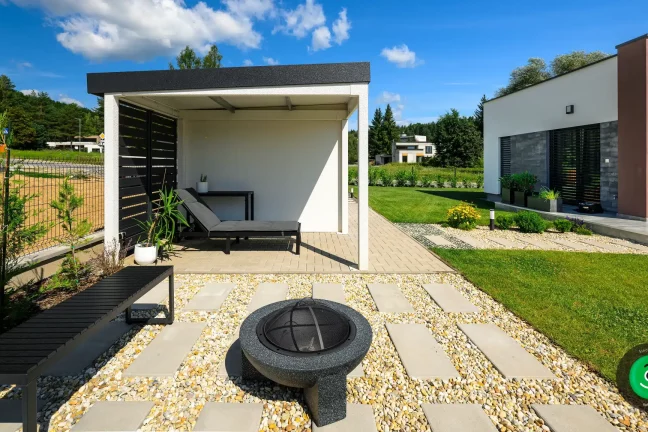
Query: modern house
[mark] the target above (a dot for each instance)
(584, 133)
(410, 149)
(278, 131)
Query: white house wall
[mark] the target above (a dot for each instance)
(290, 165)
(592, 91)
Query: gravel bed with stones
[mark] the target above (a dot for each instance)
(482, 234)
(395, 397)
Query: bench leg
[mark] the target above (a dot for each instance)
(29, 420)
(171, 316)
(238, 240)
(298, 245)
(227, 245)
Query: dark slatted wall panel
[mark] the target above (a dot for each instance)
(505, 156)
(147, 163)
(575, 165)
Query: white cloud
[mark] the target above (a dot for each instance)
(142, 29)
(389, 97)
(401, 56)
(459, 84)
(341, 27)
(270, 61)
(300, 21)
(247, 62)
(65, 99)
(29, 92)
(398, 111)
(321, 38)
(25, 65)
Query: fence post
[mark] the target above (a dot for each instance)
(5, 224)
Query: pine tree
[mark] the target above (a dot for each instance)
(187, 59)
(376, 133)
(390, 131)
(479, 115)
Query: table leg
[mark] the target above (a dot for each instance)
(247, 207)
(252, 206)
(29, 411)
(171, 316)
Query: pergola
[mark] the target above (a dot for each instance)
(281, 131)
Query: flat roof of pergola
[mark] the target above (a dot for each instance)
(235, 77)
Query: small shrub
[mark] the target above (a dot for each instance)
(563, 225)
(548, 194)
(579, 226)
(524, 182)
(412, 177)
(453, 182)
(400, 177)
(464, 216)
(353, 175)
(506, 181)
(426, 180)
(530, 222)
(583, 230)
(480, 181)
(374, 175)
(466, 183)
(386, 178)
(110, 259)
(504, 221)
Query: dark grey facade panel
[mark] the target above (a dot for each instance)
(238, 77)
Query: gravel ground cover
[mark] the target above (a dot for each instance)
(396, 399)
(419, 231)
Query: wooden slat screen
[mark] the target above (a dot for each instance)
(574, 163)
(147, 163)
(505, 156)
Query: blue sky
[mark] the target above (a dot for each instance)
(426, 56)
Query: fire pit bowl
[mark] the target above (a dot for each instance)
(309, 344)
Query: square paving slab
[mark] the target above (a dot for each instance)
(439, 240)
(229, 417)
(164, 355)
(609, 247)
(210, 297)
(84, 356)
(457, 417)
(154, 297)
(110, 416)
(506, 354)
(420, 353)
(573, 418)
(359, 418)
(539, 243)
(329, 291)
(267, 293)
(505, 243)
(389, 298)
(574, 245)
(449, 299)
(473, 241)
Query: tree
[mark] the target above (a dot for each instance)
(534, 72)
(188, 59)
(376, 133)
(458, 143)
(353, 146)
(574, 60)
(212, 59)
(390, 131)
(478, 117)
(24, 134)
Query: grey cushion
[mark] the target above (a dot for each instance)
(258, 226)
(205, 216)
(185, 196)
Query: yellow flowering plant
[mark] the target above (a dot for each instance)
(464, 216)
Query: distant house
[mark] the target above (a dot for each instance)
(408, 149)
(87, 146)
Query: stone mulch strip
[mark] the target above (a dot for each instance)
(396, 399)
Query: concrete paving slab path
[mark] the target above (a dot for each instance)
(539, 243)
(506, 243)
(112, 416)
(329, 291)
(155, 296)
(608, 247)
(473, 241)
(573, 418)
(449, 299)
(439, 240)
(84, 356)
(359, 418)
(229, 417)
(506, 354)
(210, 297)
(420, 353)
(457, 417)
(164, 355)
(267, 293)
(577, 246)
(389, 298)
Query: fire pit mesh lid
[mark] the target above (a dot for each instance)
(307, 326)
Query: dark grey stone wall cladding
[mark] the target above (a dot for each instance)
(609, 170)
(529, 153)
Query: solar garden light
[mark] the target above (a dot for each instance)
(492, 219)
(351, 192)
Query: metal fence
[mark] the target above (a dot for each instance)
(39, 175)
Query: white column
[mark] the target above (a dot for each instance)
(111, 170)
(344, 178)
(363, 179)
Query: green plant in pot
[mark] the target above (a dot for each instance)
(506, 182)
(160, 229)
(523, 184)
(547, 200)
(202, 186)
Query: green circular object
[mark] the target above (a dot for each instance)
(638, 377)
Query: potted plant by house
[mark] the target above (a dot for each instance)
(524, 184)
(160, 229)
(202, 186)
(506, 182)
(547, 200)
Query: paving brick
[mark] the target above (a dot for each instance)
(457, 417)
(109, 416)
(389, 298)
(573, 418)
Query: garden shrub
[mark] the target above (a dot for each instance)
(412, 177)
(530, 222)
(464, 216)
(563, 225)
(583, 230)
(400, 178)
(353, 175)
(386, 178)
(504, 222)
(579, 226)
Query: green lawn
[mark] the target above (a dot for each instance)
(422, 205)
(593, 305)
(58, 156)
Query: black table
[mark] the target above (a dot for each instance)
(248, 195)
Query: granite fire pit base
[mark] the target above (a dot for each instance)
(322, 376)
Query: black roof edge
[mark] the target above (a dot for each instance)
(231, 77)
(554, 77)
(632, 40)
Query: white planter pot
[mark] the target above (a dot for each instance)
(145, 254)
(202, 187)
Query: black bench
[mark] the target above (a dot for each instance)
(28, 350)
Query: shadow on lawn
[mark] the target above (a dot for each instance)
(473, 197)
